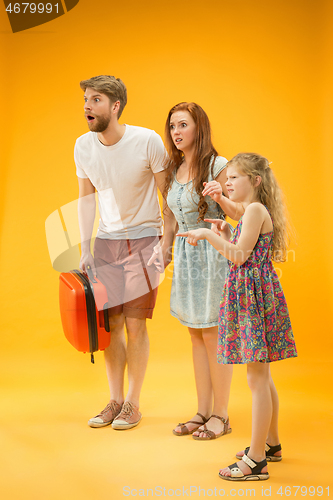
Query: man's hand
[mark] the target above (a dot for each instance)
(86, 262)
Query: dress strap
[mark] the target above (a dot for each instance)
(269, 215)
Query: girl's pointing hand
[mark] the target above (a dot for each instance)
(192, 237)
(220, 227)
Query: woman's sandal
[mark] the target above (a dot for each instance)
(255, 475)
(270, 453)
(184, 431)
(211, 434)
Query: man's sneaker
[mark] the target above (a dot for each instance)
(128, 417)
(106, 416)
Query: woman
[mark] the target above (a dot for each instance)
(199, 272)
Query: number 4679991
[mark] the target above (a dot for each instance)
(303, 491)
(32, 8)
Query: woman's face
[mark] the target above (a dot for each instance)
(182, 130)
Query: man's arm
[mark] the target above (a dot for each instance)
(86, 214)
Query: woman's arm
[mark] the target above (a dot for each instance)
(162, 254)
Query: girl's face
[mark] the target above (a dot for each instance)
(182, 130)
(239, 186)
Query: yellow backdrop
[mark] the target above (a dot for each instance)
(262, 71)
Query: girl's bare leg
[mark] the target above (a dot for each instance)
(258, 376)
(273, 433)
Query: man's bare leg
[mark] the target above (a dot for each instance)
(115, 358)
(115, 361)
(137, 360)
(137, 357)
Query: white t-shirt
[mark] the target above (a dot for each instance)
(123, 175)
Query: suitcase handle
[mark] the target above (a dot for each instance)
(90, 274)
(103, 317)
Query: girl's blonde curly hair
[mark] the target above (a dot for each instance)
(269, 194)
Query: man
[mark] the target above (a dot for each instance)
(124, 164)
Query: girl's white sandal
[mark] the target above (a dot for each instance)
(255, 475)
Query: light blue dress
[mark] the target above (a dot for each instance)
(199, 272)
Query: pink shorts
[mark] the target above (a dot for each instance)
(131, 285)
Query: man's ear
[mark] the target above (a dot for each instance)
(115, 107)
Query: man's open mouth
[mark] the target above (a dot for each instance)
(90, 118)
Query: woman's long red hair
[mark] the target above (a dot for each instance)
(203, 153)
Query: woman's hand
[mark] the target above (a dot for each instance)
(157, 258)
(220, 227)
(192, 237)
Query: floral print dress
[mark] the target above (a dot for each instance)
(254, 323)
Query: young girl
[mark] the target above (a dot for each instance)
(199, 273)
(254, 324)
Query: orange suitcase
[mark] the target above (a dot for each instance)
(83, 309)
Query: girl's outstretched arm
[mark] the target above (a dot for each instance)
(220, 227)
(253, 219)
